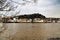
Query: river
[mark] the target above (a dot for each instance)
(29, 31)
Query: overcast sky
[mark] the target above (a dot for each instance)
(49, 8)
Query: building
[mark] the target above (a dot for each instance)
(31, 18)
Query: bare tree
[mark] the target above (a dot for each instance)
(6, 5)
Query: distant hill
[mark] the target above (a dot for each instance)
(31, 16)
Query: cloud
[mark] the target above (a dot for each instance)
(49, 8)
(57, 1)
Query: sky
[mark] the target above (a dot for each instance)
(48, 8)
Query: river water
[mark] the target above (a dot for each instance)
(29, 31)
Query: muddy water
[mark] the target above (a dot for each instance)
(29, 31)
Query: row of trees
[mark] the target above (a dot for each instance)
(37, 15)
(32, 16)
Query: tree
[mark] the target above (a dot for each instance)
(6, 5)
